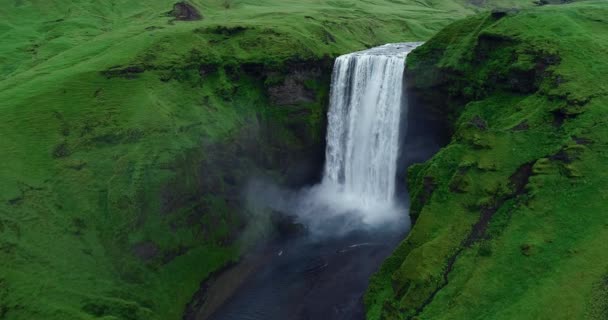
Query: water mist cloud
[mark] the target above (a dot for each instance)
(326, 210)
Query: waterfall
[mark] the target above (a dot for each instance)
(363, 123)
(358, 186)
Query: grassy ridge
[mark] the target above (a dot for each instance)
(125, 135)
(510, 220)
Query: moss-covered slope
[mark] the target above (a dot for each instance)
(510, 216)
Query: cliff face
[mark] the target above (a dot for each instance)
(510, 218)
(135, 193)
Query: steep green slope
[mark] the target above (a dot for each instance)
(510, 216)
(127, 135)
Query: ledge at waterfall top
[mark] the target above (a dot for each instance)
(511, 216)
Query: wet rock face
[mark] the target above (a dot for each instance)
(183, 11)
(293, 90)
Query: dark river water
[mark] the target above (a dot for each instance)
(306, 279)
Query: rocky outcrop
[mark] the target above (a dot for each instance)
(183, 11)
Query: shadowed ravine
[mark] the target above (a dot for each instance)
(354, 217)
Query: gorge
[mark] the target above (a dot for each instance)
(167, 159)
(352, 218)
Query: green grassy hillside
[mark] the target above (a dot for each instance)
(127, 134)
(510, 216)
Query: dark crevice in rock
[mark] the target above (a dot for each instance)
(25, 191)
(423, 197)
(15, 201)
(449, 267)
(227, 31)
(562, 155)
(328, 37)
(206, 69)
(546, 2)
(129, 72)
(152, 28)
(582, 140)
(560, 115)
(519, 180)
(522, 126)
(499, 13)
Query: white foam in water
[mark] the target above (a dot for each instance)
(363, 136)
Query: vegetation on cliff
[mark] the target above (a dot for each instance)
(510, 215)
(129, 127)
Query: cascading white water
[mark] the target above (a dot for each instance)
(364, 122)
(358, 187)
